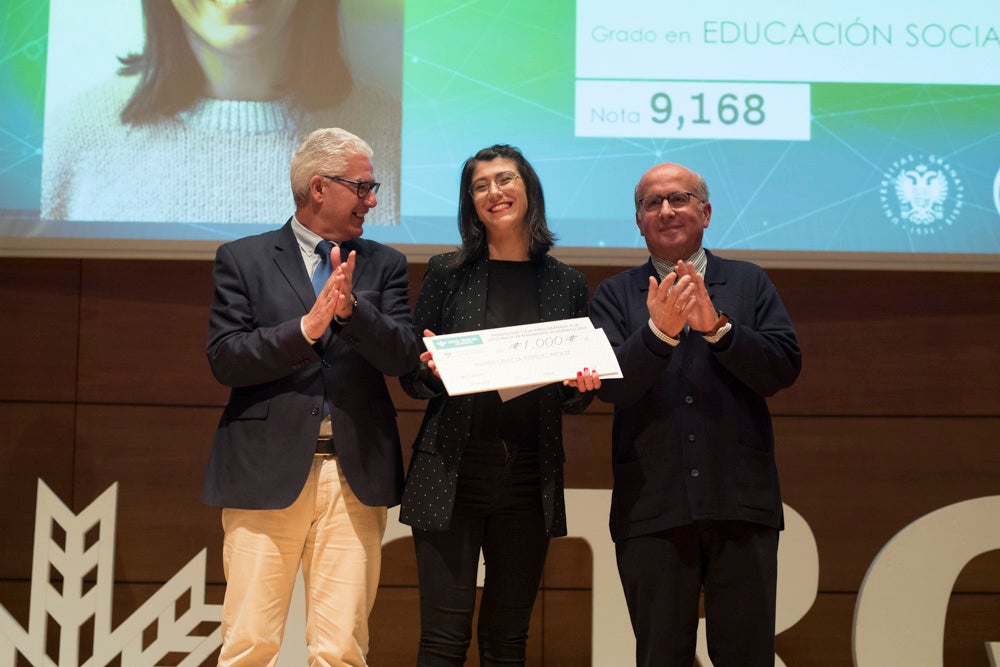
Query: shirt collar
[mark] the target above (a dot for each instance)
(307, 239)
(699, 259)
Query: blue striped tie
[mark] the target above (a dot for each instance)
(320, 276)
(323, 269)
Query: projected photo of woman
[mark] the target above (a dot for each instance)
(199, 126)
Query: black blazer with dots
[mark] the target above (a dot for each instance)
(453, 300)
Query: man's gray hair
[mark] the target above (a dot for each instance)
(324, 151)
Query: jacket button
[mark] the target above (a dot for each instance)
(314, 411)
(689, 399)
(694, 472)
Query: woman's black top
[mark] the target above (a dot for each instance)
(512, 299)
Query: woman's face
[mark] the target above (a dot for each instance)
(234, 25)
(499, 196)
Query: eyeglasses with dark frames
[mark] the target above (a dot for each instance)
(676, 200)
(362, 188)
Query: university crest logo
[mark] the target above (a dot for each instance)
(922, 195)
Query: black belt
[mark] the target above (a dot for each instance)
(324, 447)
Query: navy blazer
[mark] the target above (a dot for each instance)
(692, 437)
(266, 438)
(454, 300)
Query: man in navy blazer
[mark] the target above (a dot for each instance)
(306, 458)
(702, 341)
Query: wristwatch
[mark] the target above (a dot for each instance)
(344, 320)
(719, 329)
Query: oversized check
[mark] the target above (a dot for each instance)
(526, 356)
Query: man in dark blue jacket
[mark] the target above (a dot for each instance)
(306, 458)
(702, 341)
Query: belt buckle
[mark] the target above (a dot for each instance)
(324, 447)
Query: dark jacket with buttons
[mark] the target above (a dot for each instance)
(266, 438)
(451, 301)
(692, 437)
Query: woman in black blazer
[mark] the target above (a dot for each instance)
(487, 475)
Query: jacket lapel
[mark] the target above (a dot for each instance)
(642, 277)
(288, 259)
(361, 261)
(715, 274)
(548, 283)
(474, 306)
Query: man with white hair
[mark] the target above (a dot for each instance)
(306, 459)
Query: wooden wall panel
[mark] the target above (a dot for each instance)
(859, 481)
(157, 456)
(103, 379)
(971, 623)
(395, 626)
(570, 563)
(143, 329)
(884, 342)
(399, 564)
(39, 309)
(567, 627)
(15, 597)
(822, 638)
(36, 443)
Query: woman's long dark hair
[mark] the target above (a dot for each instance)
(171, 80)
(474, 245)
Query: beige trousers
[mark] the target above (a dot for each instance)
(337, 540)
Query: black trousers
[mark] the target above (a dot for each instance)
(663, 574)
(498, 511)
